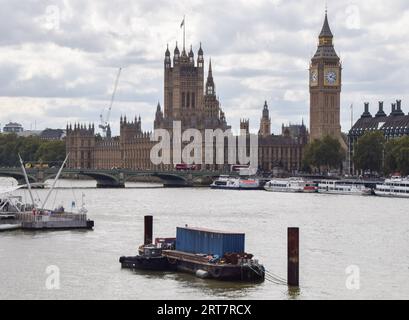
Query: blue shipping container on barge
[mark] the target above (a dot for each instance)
(203, 241)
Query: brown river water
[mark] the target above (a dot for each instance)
(336, 232)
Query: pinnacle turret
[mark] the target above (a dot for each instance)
(326, 30)
(210, 87)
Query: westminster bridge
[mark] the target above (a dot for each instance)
(115, 178)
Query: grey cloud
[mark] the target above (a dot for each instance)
(268, 43)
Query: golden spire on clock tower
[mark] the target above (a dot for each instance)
(326, 35)
(325, 44)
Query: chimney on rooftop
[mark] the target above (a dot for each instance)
(366, 113)
(381, 113)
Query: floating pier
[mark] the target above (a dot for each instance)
(15, 214)
(30, 221)
(59, 221)
(9, 227)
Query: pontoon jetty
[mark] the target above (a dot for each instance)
(18, 214)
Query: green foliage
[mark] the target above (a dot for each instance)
(368, 152)
(391, 161)
(31, 149)
(403, 161)
(325, 153)
(397, 156)
(52, 152)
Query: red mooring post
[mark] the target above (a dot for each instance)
(148, 230)
(293, 257)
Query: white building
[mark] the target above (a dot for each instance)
(13, 127)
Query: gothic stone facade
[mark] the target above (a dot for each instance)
(325, 88)
(187, 98)
(130, 150)
(284, 151)
(193, 102)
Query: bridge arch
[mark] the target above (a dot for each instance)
(173, 180)
(104, 179)
(116, 178)
(167, 179)
(18, 176)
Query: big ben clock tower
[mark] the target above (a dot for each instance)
(325, 88)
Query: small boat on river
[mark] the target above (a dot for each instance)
(236, 183)
(208, 254)
(344, 187)
(293, 185)
(396, 187)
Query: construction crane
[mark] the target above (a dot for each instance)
(105, 126)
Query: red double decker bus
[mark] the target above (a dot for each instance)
(185, 167)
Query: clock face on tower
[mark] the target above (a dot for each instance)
(331, 77)
(314, 77)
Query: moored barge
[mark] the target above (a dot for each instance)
(208, 254)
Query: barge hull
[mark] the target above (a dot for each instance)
(9, 227)
(146, 263)
(222, 273)
(191, 263)
(217, 272)
(57, 225)
(171, 260)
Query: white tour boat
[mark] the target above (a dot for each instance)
(226, 182)
(345, 187)
(397, 187)
(286, 185)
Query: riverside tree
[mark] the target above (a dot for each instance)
(324, 154)
(397, 156)
(368, 152)
(31, 149)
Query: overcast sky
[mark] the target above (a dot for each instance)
(59, 59)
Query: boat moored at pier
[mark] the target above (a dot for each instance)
(208, 254)
(249, 184)
(344, 187)
(311, 187)
(396, 187)
(235, 183)
(286, 185)
(226, 182)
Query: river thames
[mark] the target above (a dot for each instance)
(336, 232)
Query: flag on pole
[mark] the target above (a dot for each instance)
(182, 25)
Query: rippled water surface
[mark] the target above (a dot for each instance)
(335, 232)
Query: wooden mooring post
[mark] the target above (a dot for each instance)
(293, 275)
(148, 238)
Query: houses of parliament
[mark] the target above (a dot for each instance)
(192, 99)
